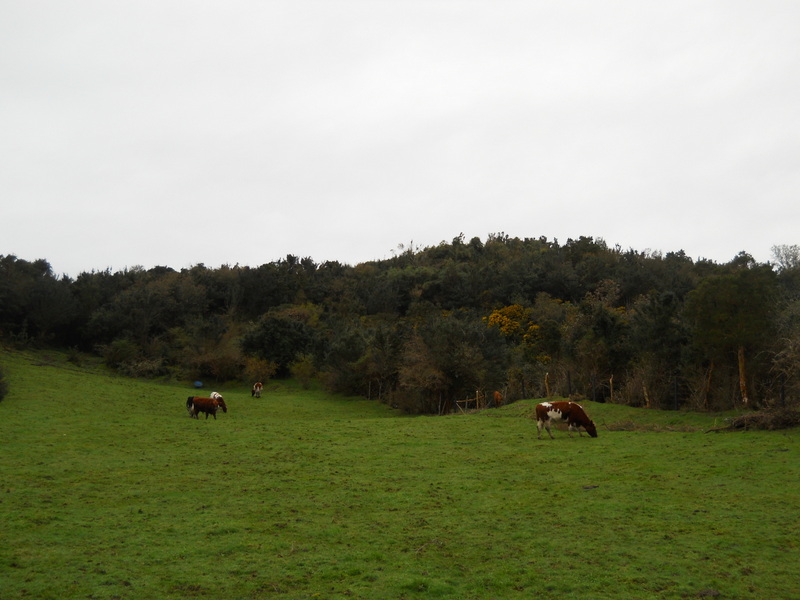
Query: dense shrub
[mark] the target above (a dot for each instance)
(143, 368)
(220, 364)
(119, 352)
(258, 369)
(278, 339)
(303, 370)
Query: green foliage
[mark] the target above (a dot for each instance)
(278, 339)
(35, 305)
(447, 358)
(120, 352)
(433, 325)
(734, 315)
(303, 370)
(733, 310)
(361, 357)
(111, 493)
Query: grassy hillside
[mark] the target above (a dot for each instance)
(109, 490)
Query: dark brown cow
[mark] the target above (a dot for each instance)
(498, 398)
(210, 406)
(256, 391)
(571, 413)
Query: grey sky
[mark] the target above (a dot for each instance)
(179, 132)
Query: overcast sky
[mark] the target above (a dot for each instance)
(164, 132)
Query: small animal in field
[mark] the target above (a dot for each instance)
(498, 398)
(571, 413)
(196, 405)
(256, 391)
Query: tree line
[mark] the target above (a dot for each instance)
(435, 325)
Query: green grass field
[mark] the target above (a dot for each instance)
(109, 490)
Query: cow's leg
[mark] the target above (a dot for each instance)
(539, 425)
(547, 426)
(577, 428)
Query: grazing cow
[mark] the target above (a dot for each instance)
(571, 413)
(210, 406)
(498, 398)
(256, 391)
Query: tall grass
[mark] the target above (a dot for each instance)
(109, 490)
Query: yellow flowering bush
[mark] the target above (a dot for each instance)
(514, 322)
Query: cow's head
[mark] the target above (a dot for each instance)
(591, 429)
(224, 408)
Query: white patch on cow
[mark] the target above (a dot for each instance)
(546, 404)
(554, 414)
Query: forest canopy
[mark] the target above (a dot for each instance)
(432, 326)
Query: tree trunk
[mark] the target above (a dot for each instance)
(742, 378)
(547, 384)
(707, 391)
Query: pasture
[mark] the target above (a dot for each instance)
(109, 490)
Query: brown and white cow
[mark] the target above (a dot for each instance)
(256, 391)
(196, 405)
(571, 413)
